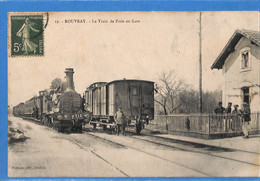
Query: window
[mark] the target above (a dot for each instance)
(246, 96)
(245, 59)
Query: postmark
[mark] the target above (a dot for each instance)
(26, 34)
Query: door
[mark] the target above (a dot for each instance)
(135, 100)
(246, 96)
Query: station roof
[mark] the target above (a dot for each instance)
(253, 36)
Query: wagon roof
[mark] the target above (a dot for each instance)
(100, 84)
(129, 80)
(96, 84)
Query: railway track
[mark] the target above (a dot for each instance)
(179, 145)
(199, 148)
(208, 147)
(80, 145)
(145, 152)
(94, 153)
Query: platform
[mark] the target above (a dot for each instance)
(252, 144)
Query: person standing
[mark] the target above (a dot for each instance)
(235, 122)
(228, 109)
(235, 111)
(220, 109)
(245, 119)
(119, 119)
(228, 120)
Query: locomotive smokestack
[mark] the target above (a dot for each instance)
(69, 78)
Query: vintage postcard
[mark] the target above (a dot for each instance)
(133, 94)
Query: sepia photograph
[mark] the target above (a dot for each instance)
(133, 94)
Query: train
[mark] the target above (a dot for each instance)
(64, 109)
(134, 97)
(60, 108)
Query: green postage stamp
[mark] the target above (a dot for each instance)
(26, 34)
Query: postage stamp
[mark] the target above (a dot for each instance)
(26, 38)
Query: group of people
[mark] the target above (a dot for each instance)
(121, 122)
(244, 113)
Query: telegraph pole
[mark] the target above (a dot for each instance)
(200, 67)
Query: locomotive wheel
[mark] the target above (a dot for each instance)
(55, 128)
(80, 129)
(45, 120)
(69, 129)
(60, 128)
(114, 130)
(41, 120)
(51, 121)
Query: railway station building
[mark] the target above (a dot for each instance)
(240, 64)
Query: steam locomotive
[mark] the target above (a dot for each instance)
(59, 108)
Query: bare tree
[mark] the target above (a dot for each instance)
(173, 95)
(167, 91)
(55, 83)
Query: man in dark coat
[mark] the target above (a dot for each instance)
(228, 109)
(245, 119)
(220, 121)
(120, 121)
(220, 109)
(227, 121)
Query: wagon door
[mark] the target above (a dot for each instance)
(103, 100)
(135, 100)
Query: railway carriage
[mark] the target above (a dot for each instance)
(18, 109)
(134, 97)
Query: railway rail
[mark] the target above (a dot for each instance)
(95, 153)
(186, 146)
(151, 154)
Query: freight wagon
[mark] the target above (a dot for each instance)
(134, 97)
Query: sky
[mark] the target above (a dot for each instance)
(152, 43)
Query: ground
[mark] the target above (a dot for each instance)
(47, 153)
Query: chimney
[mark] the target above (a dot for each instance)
(69, 79)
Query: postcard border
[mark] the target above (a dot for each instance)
(58, 6)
